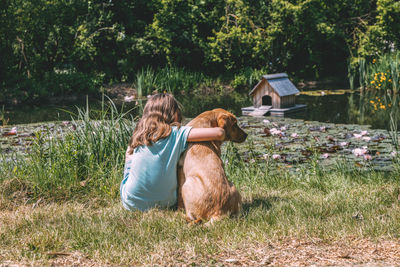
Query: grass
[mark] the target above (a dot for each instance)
(69, 164)
(63, 198)
(275, 208)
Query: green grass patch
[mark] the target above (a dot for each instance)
(63, 197)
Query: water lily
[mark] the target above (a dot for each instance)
(359, 151)
(283, 128)
(366, 138)
(393, 153)
(364, 133)
(13, 131)
(357, 136)
(276, 156)
(129, 98)
(325, 155)
(275, 131)
(367, 157)
(266, 121)
(294, 135)
(342, 144)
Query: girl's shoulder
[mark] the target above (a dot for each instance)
(180, 132)
(179, 129)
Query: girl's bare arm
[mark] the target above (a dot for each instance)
(206, 134)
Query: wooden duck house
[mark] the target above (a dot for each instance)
(274, 93)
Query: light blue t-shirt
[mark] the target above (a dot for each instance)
(150, 175)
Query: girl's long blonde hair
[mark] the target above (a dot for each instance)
(160, 113)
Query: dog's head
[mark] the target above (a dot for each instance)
(228, 122)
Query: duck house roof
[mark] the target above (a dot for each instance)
(280, 83)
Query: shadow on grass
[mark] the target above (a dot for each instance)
(260, 203)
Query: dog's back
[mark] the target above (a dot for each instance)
(204, 189)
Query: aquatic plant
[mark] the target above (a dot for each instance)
(179, 80)
(168, 79)
(3, 119)
(84, 158)
(145, 82)
(380, 76)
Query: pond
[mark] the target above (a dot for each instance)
(331, 106)
(287, 143)
(345, 107)
(338, 125)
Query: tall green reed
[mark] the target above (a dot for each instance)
(176, 80)
(3, 119)
(169, 79)
(146, 82)
(381, 76)
(86, 159)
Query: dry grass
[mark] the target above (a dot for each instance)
(280, 226)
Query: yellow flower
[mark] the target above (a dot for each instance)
(390, 80)
(372, 102)
(383, 107)
(374, 60)
(379, 85)
(389, 105)
(372, 82)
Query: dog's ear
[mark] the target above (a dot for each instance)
(222, 120)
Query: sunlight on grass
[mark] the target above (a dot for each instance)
(63, 198)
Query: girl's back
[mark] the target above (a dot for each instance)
(150, 172)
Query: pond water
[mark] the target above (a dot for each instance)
(338, 126)
(272, 142)
(331, 106)
(328, 108)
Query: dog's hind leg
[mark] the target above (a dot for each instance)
(181, 181)
(236, 202)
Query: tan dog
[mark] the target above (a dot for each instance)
(203, 189)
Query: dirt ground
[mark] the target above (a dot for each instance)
(357, 252)
(319, 253)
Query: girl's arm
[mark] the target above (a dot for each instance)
(206, 134)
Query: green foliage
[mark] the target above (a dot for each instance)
(116, 39)
(381, 34)
(86, 160)
(248, 78)
(170, 79)
(378, 73)
(379, 76)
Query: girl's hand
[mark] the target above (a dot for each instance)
(206, 134)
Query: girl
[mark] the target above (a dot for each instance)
(150, 175)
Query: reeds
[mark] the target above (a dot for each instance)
(3, 119)
(380, 76)
(87, 158)
(168, 79)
